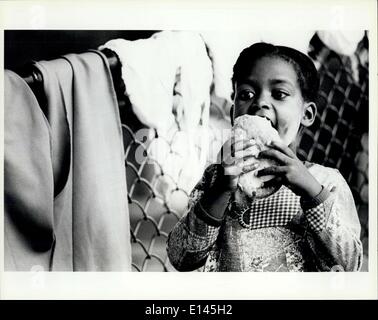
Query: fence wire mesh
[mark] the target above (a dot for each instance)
(338, 138)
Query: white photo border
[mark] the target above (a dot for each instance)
(198, 15)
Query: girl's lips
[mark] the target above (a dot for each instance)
(267, 118)
(271, 122)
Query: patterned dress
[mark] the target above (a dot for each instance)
(280, 233)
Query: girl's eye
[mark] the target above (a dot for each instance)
(279, 94)
(246, 95)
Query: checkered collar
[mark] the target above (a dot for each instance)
(274, 211)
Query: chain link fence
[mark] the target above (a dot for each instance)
(338, 138)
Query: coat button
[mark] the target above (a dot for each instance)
(337, 268)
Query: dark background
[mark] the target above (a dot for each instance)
(22, 46)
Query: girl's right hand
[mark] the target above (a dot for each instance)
(232, 156)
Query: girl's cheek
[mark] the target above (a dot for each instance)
(282, 125)
(287, 130)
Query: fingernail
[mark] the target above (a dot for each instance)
(256, 173)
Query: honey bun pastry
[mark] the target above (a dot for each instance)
(260, 131)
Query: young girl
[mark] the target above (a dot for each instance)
(309, 224)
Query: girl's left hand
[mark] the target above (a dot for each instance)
(290, 171)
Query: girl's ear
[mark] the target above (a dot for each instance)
(309, 114)
(232, 115)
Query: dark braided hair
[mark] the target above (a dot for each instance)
(307, 74)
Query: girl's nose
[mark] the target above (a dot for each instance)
(263, 105)
(262, 102)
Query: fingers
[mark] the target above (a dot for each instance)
(272, 182)
(278, 145)
(236, 170)
(240, 150)
(275, 155)
(250, 167)
(246, 153)
(241, 145)
(232, 171)
(234, 151)
(273, 170)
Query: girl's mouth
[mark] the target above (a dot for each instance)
(271, 122)
(274, 125)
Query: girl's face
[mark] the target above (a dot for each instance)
(271, 90)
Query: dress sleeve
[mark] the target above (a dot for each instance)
(334, 228)
(192, 238)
